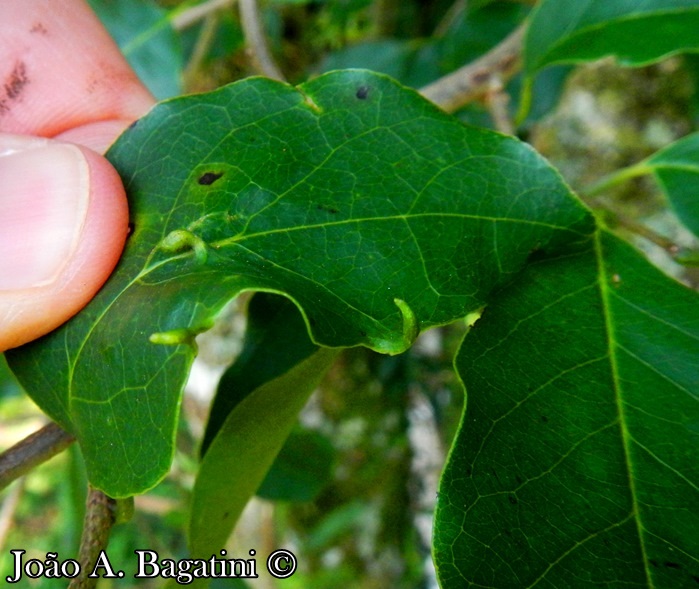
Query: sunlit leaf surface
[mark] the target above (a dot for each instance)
(375, 212)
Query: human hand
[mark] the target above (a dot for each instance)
(66, 93)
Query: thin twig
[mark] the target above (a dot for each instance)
(99, 519)
(256, 41)
(32, 451)
(204, 41)
(450, 17)
(497, 101)
(473, 81)
(8, 510)
(190, 16)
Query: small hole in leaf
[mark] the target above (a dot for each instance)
(362, 92)
(209, 178)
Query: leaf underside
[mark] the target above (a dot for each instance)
(676, 168)
(376, 213)
(255, 428)
(637, 33)
(577, 461)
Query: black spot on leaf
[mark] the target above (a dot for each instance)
(209, 178)
(330, 210)
(673, 565)
(362, 92)
(512, 499)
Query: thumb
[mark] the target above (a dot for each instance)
(63, 224)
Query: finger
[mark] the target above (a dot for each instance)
(63, 224)
(60, 69)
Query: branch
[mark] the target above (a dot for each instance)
(474, 80)
(256, 42)
(99, 519)
(497, 102)
(190, 16)
(32, 451)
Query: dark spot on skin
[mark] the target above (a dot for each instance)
(672, 565)
(38, 29)
(327, 209)
(362, 92)
(209, 178)
(13, 87)
(512, 499)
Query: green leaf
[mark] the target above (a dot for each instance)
(303, 467)
(637, 32)
(8, 384)
(378, 214)
(144, 35)
(676, 167)
(275, 340)
(576, 463)
(244, 449)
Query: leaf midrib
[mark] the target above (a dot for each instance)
(626, 437)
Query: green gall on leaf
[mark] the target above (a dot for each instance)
(180, 240)
(411, 327)
(175, 337)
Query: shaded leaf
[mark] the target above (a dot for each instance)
(636, 32)
(577, 459)
(8, 384)
(244, 449)
(144, 35)
(676, 168)
(375, 212)
(303, 467)
(275, 340)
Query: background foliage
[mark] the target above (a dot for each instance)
(378, 426)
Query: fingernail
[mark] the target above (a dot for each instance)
(44, 192)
